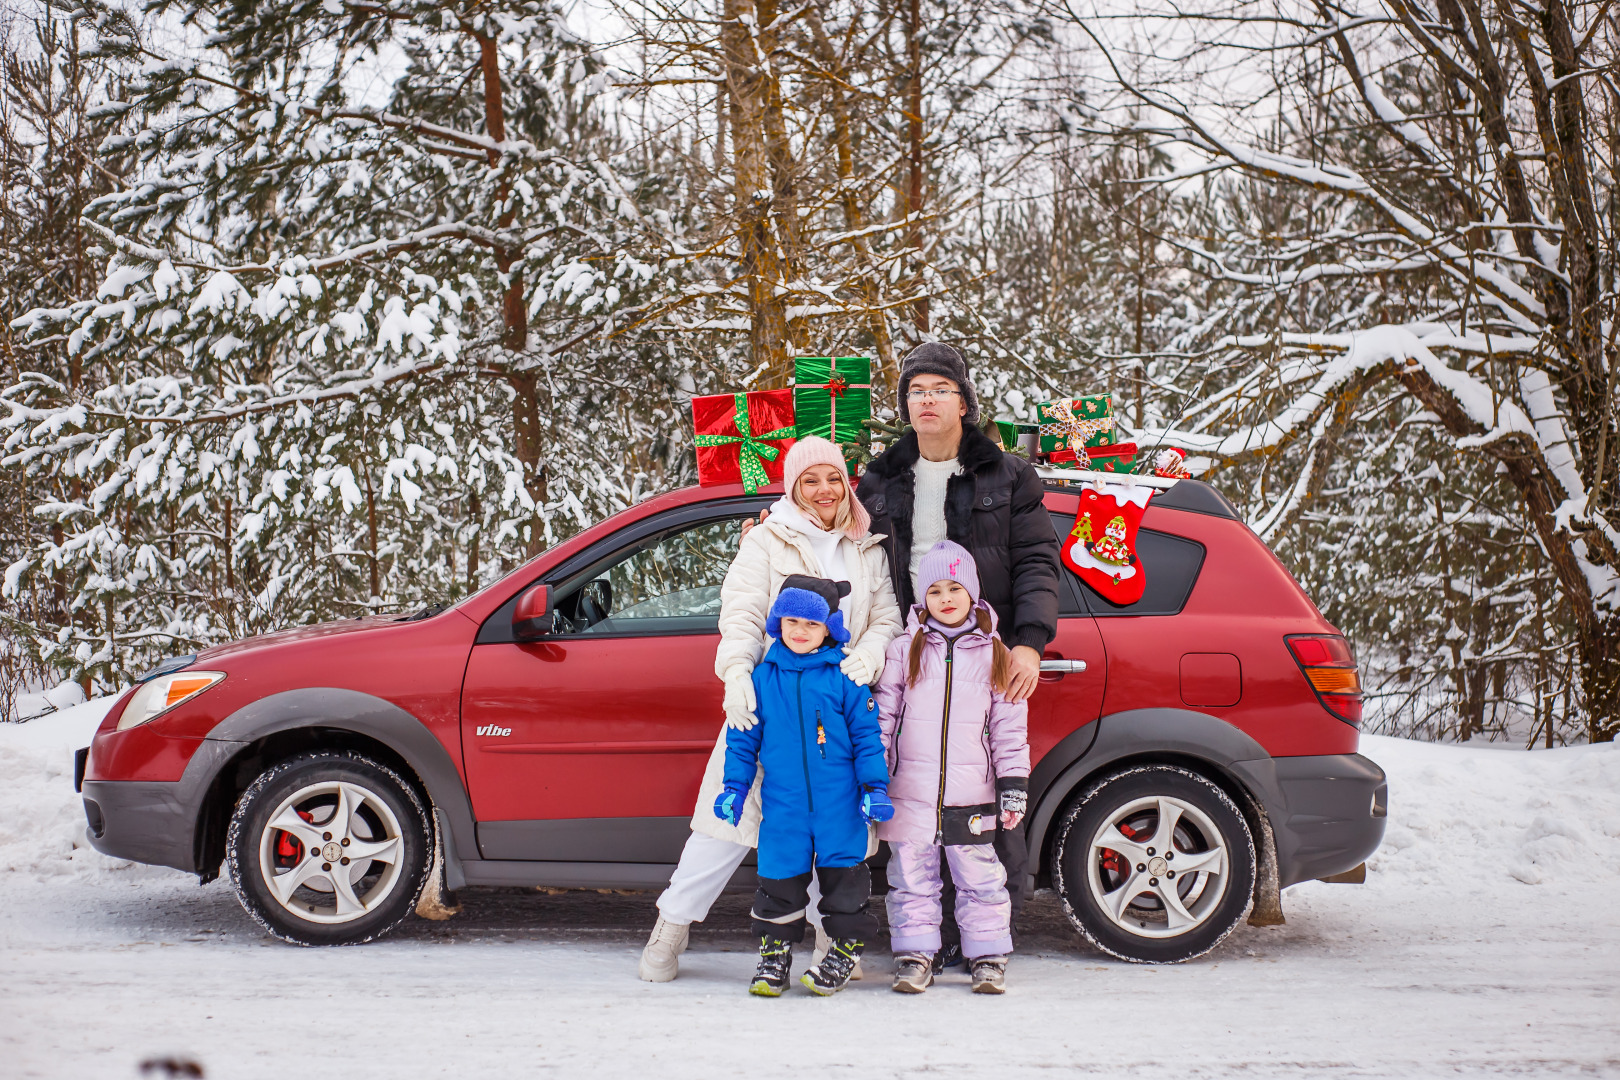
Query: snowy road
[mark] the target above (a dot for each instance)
(1486, 941)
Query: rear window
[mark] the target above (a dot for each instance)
(1170, 562)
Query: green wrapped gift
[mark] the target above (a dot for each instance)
(1068, 426)
(832, 397)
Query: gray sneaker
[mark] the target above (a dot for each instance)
(913, 973)
(989, 975)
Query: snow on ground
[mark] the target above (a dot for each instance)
(1485, 942)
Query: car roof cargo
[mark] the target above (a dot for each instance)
(1192, 495)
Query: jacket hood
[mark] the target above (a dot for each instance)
(788, 660)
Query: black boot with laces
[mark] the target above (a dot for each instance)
(775, 965)
(832, 973)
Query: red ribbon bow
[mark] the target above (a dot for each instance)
(836, 385)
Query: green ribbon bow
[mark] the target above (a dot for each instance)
(753, 450)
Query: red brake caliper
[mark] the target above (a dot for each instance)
(289, 846)
(1110, 858)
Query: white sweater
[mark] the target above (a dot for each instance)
(928, 513)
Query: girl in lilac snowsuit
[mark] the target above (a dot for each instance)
(958, 754)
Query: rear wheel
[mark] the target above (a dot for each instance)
(329, 849)
(1154, 864)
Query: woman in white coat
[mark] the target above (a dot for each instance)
(817, 527)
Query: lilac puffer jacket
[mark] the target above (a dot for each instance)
(937, 761)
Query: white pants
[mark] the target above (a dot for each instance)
(706, 865)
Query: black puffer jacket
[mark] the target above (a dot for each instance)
(994, 509)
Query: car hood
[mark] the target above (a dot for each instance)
(338, 628)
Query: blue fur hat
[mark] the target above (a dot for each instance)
(813, 598)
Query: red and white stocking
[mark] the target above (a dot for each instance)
(1101, 547)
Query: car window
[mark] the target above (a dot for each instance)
(667, 584)
(1171, 564)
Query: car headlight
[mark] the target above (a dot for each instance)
(163, 693)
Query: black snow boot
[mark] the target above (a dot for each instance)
(775, 965)
(832, 973)
(948, 956)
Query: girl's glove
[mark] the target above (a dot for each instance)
(859, 669)
(1014, 802)
(739, 700)
(875, 805)
(728, 805)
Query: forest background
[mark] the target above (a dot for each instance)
(315, 308)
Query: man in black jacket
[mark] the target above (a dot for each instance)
(946, 479)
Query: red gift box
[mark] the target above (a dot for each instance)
(743, 438)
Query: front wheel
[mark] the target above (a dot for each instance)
(329, 849)
(1155, 864)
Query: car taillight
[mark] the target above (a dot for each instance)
(1330, 668)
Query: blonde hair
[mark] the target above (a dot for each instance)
(999, 656)
(843, 520)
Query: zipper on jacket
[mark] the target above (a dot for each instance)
(989, 764)
(944, 741)
(821, 736)
(804, 755)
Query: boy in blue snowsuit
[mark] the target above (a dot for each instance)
(826, 778)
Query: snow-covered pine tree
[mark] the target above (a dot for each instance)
(352, 348)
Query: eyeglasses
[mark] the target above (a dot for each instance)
(920, 396)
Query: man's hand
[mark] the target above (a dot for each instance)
(749, 523)
(1023, 671)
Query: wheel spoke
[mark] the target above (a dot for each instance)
(1164, 835)
(343, 889)
(1118, 900)
(1176, 914)
(349, 801)
(288, 821)
(284, 885)
(1133, 850)
(1212, 861)
(386, 851)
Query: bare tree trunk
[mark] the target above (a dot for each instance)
(914, 157)
(759, 142)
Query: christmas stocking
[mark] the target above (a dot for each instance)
(1102, 546)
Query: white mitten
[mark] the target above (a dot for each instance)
(859, 669)
(739, 700)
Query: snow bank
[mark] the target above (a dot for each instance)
(1484, 818)
(30, 705)
(41, 818)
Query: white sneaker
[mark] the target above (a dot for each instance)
(823, 943)
(660, 960)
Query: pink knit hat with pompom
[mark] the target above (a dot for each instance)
(814, 450)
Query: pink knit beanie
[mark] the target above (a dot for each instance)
(814, 450)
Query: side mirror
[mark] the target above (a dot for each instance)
(532, 620)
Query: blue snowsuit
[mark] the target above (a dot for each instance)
(819, 743)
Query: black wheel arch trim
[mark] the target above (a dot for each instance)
(345, 710)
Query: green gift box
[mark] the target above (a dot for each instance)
(1067, 426)
(832, 397)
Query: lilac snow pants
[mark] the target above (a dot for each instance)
(983, 908)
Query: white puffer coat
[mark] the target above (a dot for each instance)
(769, 553)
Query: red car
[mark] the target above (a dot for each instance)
(1190, 749)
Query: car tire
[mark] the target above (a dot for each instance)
(1112, 840)
(310, 882)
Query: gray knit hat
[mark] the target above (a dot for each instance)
(936, 358)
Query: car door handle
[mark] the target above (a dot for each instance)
(1063, 667)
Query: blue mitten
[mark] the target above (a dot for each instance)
(728, 805)
(875, 805)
